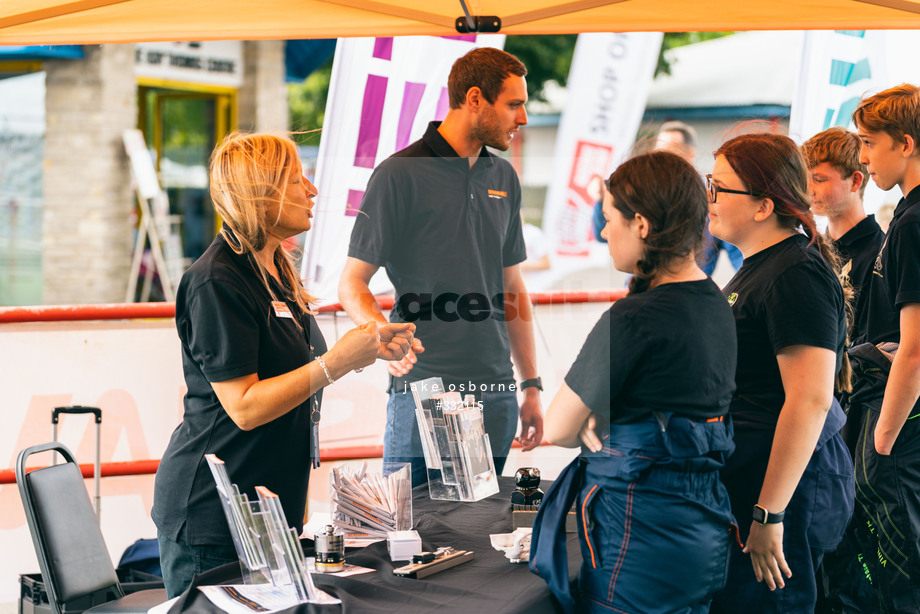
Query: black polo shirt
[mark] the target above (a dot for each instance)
(858, 249)
(444, 232)
(895, 278)
(229, 328)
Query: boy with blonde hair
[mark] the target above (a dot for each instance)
(888, 451)
(837, 181)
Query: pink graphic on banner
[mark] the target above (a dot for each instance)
(371, 115)
(575, 232)
(412, 98)
(383, 48)
(353, 204)
(443, 104)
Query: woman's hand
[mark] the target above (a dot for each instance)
(588, 434)
(355, 350)
(765, 545)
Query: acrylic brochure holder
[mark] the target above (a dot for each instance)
(457, 450)
(269, 550)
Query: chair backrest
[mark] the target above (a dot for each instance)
(72, 555)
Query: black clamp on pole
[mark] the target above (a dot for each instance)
(485, 24)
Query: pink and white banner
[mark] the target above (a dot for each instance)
(382, 94)
(608, 88)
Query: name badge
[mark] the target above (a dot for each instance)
(282, 310)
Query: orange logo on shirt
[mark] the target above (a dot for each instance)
(497, 194)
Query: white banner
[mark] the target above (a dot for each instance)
(382, 94)
(838, 69)
(608, 88)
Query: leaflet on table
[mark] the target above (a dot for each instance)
(262, 598)
(350, 570)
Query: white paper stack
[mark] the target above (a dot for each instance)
(367, 504)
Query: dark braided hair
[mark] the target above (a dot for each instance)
(667, 191)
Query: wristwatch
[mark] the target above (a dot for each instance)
(535, 382)
(763, 516)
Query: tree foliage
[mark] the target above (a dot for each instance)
(547, 58)
(673, 40)
(307, 104)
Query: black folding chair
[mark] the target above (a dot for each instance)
(76, 569)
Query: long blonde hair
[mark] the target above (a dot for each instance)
(249, 179)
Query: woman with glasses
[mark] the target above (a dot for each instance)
(646, 399)
(791, 478)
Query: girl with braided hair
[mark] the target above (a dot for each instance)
(647, 401)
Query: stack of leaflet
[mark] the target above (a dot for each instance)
(458, 454)
(369, 505)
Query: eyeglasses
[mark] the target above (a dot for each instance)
(714, 190)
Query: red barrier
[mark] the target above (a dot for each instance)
(131, 311)
(141, 467)
(149, 467)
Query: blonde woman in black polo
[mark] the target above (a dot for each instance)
(254, 359)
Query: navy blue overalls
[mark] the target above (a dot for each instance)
(815, 519)
(654, 521)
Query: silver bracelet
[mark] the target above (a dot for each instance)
(322, 363)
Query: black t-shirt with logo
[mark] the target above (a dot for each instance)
(670, 348)
(858, 250)
(444, 232)
(895, 278)
(782, 296)
(228, 328)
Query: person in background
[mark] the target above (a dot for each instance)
(791, 477)
(254, 359)
(596, 189)
(837, 181)
(537, 247)
(680, 138)
(647, 399)
(443, 217)
(888, 449)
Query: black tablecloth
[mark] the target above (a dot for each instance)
(485, 585)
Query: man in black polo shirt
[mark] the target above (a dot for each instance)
(443, 217)
(837, 181)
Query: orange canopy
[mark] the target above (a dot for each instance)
(32, 22)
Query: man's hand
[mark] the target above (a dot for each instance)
(395, 340)
(531, 420)
(399, 368)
